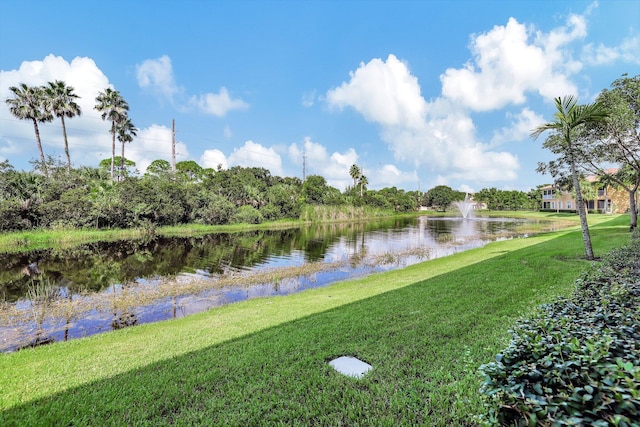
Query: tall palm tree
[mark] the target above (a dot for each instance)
(114, 108)
(126, 131)
(355, 173)
(363, 181)
(28, 104)
(568, 118)
(60, 100)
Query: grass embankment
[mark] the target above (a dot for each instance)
(19, 241)
(425, 329)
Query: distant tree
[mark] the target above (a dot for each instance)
(362, 182)
(28, 103)
(189, 169)
(159, 168)
(439, 197)
(126, 131)
(286, 198)
(60, 100)
(568, 120)
(534, 199)
(113, 108)
(488, 196)
(589, 192)
(105, 164)
(314, 189)
(355, 173)
(397, 199)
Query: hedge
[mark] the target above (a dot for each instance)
(577, 360)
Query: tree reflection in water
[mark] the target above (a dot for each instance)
(110, 285)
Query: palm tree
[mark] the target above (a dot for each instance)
(126, 131)
(113, 107)
(28, 104)
(363, 181)
(355, 173)
(60, 100)
(569, 117)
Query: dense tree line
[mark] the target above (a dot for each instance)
(89, 198)
(511, 200)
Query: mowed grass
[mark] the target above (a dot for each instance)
(425, 329)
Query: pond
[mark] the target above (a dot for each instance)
(58, 294)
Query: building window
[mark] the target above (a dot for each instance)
(568, 205)
(559, 205)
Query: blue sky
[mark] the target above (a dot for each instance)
(417, 93)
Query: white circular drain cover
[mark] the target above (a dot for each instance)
(350, 366)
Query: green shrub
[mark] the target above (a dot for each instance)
(247, 215)
(271, 212)
(216, 210)
(577, 361)
(12, 216)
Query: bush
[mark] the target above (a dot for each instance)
(247, 215)
(577, 361)
(217, 210)
(12, 216)
(271, 212)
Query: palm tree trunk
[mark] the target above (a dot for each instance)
(122, 162)
(66, 143)
(584, 225)
(113, 146)
(44, 163)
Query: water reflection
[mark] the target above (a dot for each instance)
(60, 294)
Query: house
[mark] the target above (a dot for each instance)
(606, 198)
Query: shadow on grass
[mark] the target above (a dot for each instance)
(425, 342)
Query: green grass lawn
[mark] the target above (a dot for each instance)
(425, 329)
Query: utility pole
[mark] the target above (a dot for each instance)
(304, 165)
(173, 145)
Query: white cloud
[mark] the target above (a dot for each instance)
(630, 49)
(252, 154)
(153, 143)
(157, 75)
(519, 128)
(466, 189)
(335, 166)
(390, 176)
(627, 51)
(510, 61)
(384, 92)
(218, 104)
(315, 153)
(88, 135)
(438, 135)
(308, 99)
(213, 159)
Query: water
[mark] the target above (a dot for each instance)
(59, 294)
